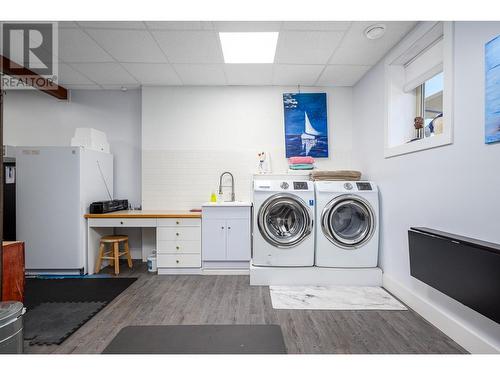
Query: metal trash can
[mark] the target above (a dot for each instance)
(11, 327)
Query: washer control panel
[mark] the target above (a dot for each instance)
(284, 185)
(300, 185)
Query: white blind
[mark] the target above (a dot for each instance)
(424, 66)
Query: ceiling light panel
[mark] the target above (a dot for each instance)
(248, 47)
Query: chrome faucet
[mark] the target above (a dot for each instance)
(232, 185)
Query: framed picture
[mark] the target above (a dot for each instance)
(306, 125)
(492, 91)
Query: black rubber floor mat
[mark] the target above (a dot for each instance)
(105, 289)
(52, 322)
(198, 339)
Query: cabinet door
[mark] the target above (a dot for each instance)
(213, 239)
(238, 239)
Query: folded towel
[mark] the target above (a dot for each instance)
(335, 175)
(301, 160)
(301, 166)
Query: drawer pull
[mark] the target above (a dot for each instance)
(228, 227)
(176, 261)
(121, 222)
(177, 234)
(221, 227)
(177, 247)
(176, 222)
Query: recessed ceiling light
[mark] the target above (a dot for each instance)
(375, 31)
(248, 47)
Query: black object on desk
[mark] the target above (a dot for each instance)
(103, 207)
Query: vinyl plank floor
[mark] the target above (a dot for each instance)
(224, 299)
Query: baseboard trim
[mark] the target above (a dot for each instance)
(461, 334)
(225, 271)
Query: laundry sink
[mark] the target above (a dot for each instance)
(227, 204)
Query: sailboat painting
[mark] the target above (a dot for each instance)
(492, 94)
(306, 125)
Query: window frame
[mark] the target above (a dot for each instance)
(395, 94)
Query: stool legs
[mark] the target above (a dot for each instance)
(99, 258)
(127, 253)
(116, 250)
(113, 253)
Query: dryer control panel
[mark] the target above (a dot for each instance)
(363, 186)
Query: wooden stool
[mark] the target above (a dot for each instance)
(114, 254)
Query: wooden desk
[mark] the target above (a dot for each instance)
(13, 271)
(149, 221)
(147, 214)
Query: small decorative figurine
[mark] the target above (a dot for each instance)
(264, 165)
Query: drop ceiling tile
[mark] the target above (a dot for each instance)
(121, 87)
(76, 46)
(67, 25)
(356, 48)
(201, 74)
(190, 47)
(342, 75)
(180, 25)
(153, 74)
(69, 76)
(249, 74)
(105, 73)
(83, 87)
(306, 47)
(246, 26)
(296, 74)
(129, 45)
(137, 25)
(317, 25)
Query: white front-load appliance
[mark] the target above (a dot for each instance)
(347, 230)
(283, 230)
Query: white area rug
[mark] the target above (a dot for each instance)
(333, 298)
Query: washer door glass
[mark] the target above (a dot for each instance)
(284, 220)
(348, 221)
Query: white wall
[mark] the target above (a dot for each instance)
(453, 188)
(36, 119)
(192, 134)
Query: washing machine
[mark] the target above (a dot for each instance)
(283, 223)
(347, 230)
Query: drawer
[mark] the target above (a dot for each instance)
(179, 222)
(178, 260)
(179, 247)
(178, 234)
(122, 222)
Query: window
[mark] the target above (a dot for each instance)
(419, 79)
(429, 108)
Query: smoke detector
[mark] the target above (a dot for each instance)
(375, 31)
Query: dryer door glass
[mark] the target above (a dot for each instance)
(348, 221)
(284, 220)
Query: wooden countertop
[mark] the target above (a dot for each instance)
(147, 214)
(7, 243)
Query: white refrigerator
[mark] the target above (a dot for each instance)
(55, 186)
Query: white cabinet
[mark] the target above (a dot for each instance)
(214, 234)
(238, 241)
(226, 236)
(178, 244)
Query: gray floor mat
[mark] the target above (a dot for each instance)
(51, 322)
(198, 339)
